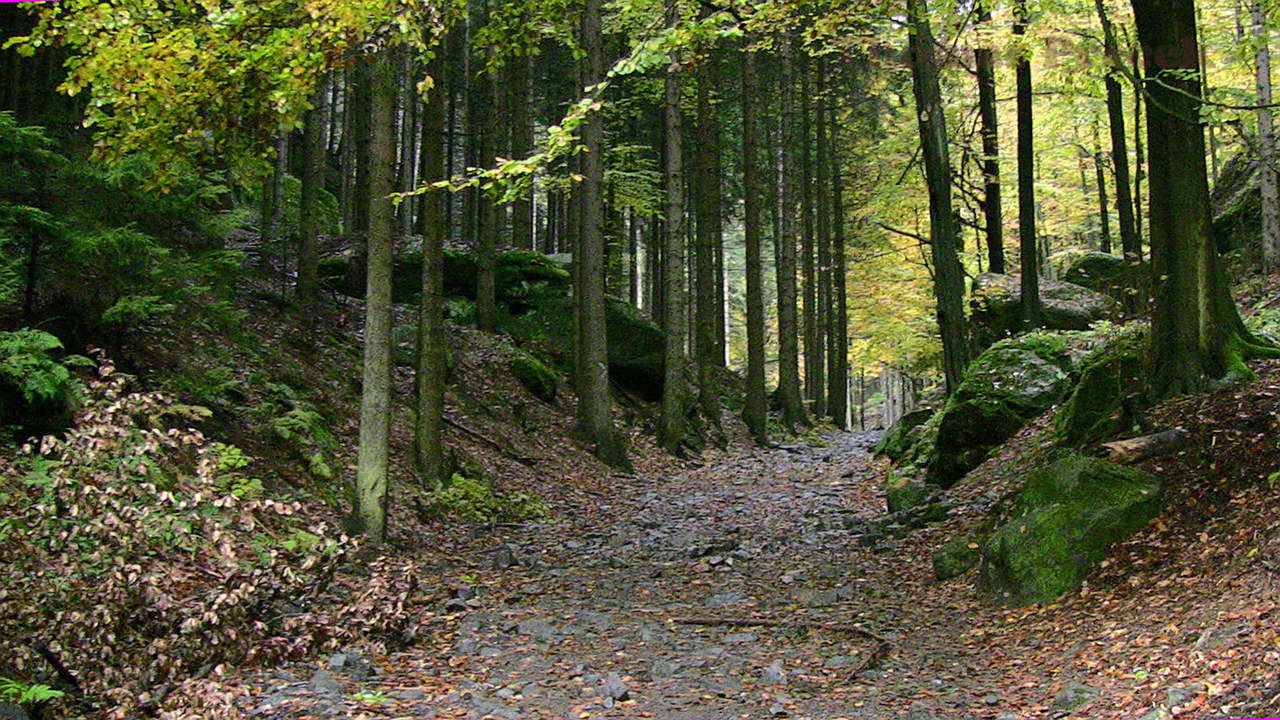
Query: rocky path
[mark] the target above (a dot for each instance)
(745, 588)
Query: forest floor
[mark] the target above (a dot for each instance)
(736, 585)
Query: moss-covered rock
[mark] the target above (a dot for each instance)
(903, 491)
(996, 306)
(1106, 273)
(957, 557)
(1066, 518)
(898, 439)
(1010, 383)
(520, 276)
(534, 375)
(1094, 410)
(635, 344)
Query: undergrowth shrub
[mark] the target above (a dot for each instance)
(141, 551)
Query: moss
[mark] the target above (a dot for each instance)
(957, 557)
(904, 433)
(1067, 517)
(537, 377)
(1094, 410)
(904, 492)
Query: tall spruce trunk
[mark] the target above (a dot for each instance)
(1028, 247)
(312, 218)
(706, 185)
(838, 332)
(522, 210)
(595, 405)
(1129, 239)
(1267, 183)
(431, 368)
(672, 289)
(1196, 332)
(755, 411)
(808, 246)
(372, 459)
(790, 401)
(992, 204)
(944, 234)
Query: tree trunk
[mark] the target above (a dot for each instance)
(706, 185)
(813, 385)
(1129, 240)
(595, 406)
(1104, 206)
(992, 205)
(312, 223)
(1266, 142)
(1196, 332)
(431, 368)
(755, 411)
(521, 147)
(671, 430)
(823, 205)
(790, 401)
(944, 234)
(375, 398)
(838, 333)
(1030, 264)
(486, 125)
(1139, 171)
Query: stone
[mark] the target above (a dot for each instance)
(538, 629)
(615, 688)
(1094, 411)
(1007, 385)
(1073, 697)
(996, 306)
(1106, 273)
(903, 491)
(774, 674)
(326, 684)
(535, 376)
(902, 435)
(957, 557)
(1066, 518)
(663, 669)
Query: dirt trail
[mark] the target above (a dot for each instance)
(618, 617)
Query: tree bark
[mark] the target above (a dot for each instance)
(1030, 260)
(671, 429)
(755, 411)
(1130, 243)
(312, 222)
(1267, 182)
(1104, 207)
(992, 204)
(838, 332)
(706, 185)
(595, 406)
(1196, 332)
(431, 369)
(943, 232)
(375, 398)
(521, 147)
(790, 401)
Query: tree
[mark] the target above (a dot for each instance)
(430, 376)
(375, 394)
(312, 219)
(595, 406)
(1030, 279)
(1267, 182)
(671, 429)
(944, 236)
(790, 400)
(1130, 243)
(1196, 332)
(707, 230)
(755, 411)
(992, 209)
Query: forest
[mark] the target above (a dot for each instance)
(681, 360)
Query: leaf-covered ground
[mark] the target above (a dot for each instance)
(736, 586)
